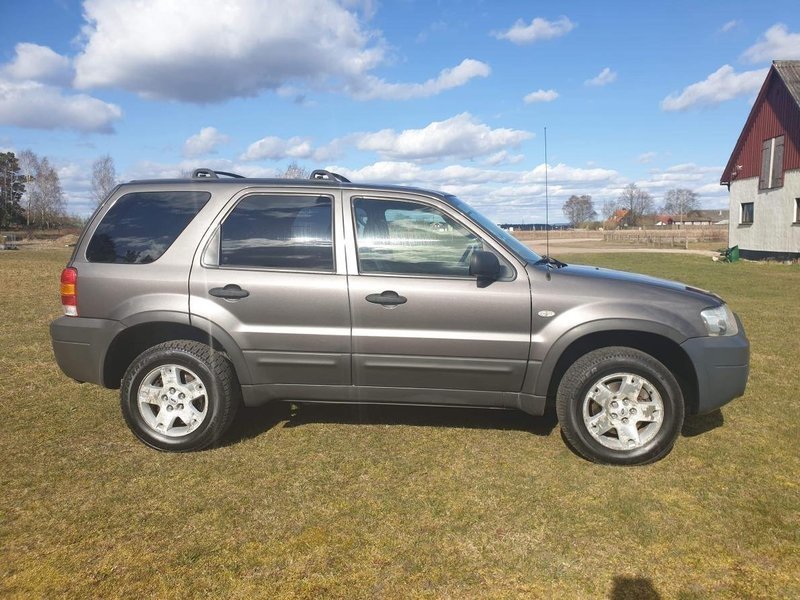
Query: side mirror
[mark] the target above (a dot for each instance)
(484, 265)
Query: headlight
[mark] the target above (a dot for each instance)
(719, 321)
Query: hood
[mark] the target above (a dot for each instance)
(575, 295)
(601, 280)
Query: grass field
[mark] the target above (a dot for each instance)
(397, 502)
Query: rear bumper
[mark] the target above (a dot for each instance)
(80, 346)
(722, 365)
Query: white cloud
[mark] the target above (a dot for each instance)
(294, 148)
(712, 189)
(146, 169)
(538, 30)
(682, 175)
(367, 7)
(204, 142)
(383, 171)
(33, 62)
(409, 173)
(462, 136)
(76, 183)
(646, 157)
(703, 180)
(605, 77)
(729, 25)
(723, 84)
(38, 106)
(30, 94)
(562, 173)
(541, 96)
(275, 148)
(777, 43)
(505, 196)
(373, 88)
(504, 157)
(174, 50)
(700, 179)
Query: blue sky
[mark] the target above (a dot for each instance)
(449, 95)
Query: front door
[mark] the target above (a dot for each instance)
(419, 319)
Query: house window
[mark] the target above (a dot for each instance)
(771, 164)
(747, 213)
(797, 211)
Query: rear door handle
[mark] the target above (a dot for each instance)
(229, 292)
(387, 298)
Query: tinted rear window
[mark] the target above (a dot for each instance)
(279, 232)
(140, 227)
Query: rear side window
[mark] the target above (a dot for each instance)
(279, 232)
(140, 227)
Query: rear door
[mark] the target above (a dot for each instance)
(419, 319)
(270, 274)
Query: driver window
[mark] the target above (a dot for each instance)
(408, 238)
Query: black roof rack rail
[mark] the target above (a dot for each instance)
(323, 174)
(211, 174)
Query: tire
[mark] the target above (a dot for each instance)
(180, 396)
(621, 406)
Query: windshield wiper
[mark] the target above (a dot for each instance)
(550, 262)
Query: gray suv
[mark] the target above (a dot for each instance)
(194, 296)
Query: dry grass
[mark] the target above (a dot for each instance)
(402, 502)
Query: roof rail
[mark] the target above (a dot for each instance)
(211, 174)
(323, 174)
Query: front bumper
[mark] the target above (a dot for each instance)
(722, 364)
(80, 346)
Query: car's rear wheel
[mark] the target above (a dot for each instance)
(180, 396)
(619, 405)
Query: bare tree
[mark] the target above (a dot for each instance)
(104, 178)
(28, 166)
(579, 209)
(638, 203)
(608, 209)
(295, 171)
(46, 203)
(680, 201)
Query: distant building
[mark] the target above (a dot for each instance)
(763, 173)
(694, 217)
(664, 220)
(620, 218)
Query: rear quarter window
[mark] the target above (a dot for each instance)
(141, 226)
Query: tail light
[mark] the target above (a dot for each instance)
(69, 291)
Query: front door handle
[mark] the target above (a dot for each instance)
(229, 292)
(387, 298)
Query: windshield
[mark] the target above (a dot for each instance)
(512, 243)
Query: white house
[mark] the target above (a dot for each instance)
(763, 173)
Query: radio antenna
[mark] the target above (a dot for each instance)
(546, 201)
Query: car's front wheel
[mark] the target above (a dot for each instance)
(180, 396)
(620, 405)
